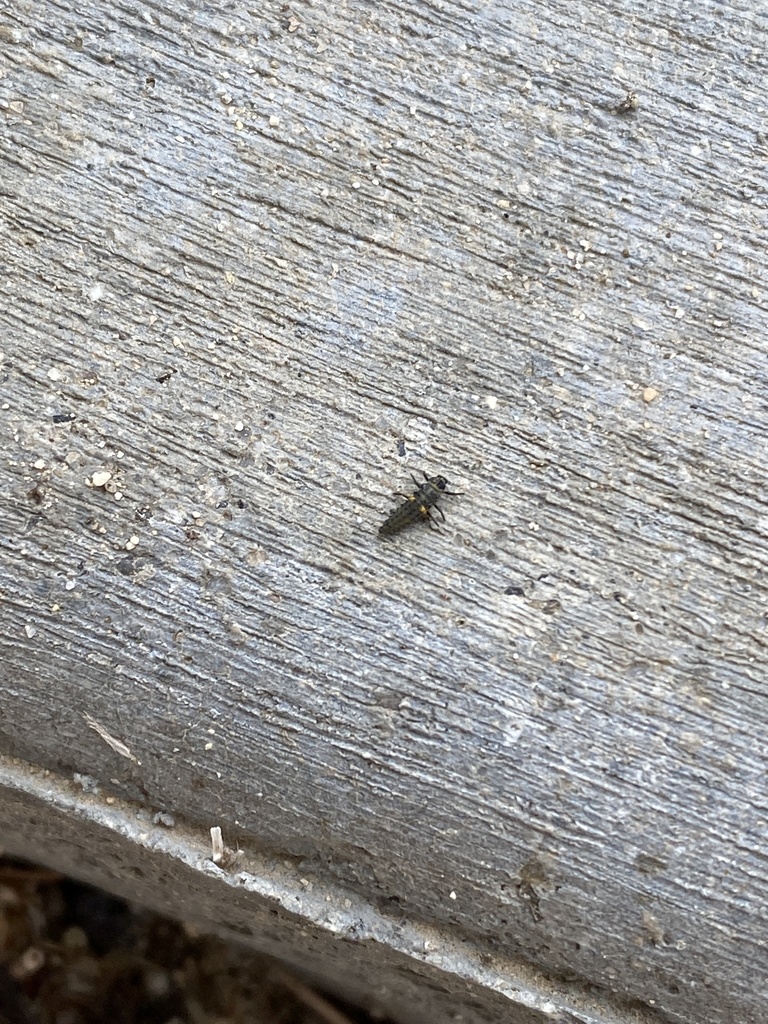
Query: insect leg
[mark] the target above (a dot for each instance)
(426, 514)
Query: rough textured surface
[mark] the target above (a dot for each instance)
(259, 264)
(385, 962)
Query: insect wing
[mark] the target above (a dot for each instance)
(400, 517)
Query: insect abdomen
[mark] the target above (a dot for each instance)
(404, 515)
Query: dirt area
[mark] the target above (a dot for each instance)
(72, 954)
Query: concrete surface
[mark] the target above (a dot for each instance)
(262, 263)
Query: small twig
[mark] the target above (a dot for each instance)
(310, 998)
(221, 855)
(217, 845)
(117, 745)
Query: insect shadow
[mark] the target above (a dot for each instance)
(416, 507)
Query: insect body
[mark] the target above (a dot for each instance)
(416, 506)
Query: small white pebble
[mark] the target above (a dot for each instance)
(157, 983)
(30, 631)
(101, 477)
(274, 122)
(29, 963)
(649, 394)
(86, 782)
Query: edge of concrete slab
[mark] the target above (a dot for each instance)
(408, 969)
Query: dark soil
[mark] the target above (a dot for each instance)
(72, 954)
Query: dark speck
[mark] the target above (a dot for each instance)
(240, 503)
(517, 591)
(401, 448)
(63, 417)
(106, 920)
(647, 864)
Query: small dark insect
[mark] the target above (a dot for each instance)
(629, 104)
(416, 506)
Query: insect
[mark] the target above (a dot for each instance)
(416, 506)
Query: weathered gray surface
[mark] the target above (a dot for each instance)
(384, 961)
(250, 252)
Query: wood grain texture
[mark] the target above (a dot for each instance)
(253, 255)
